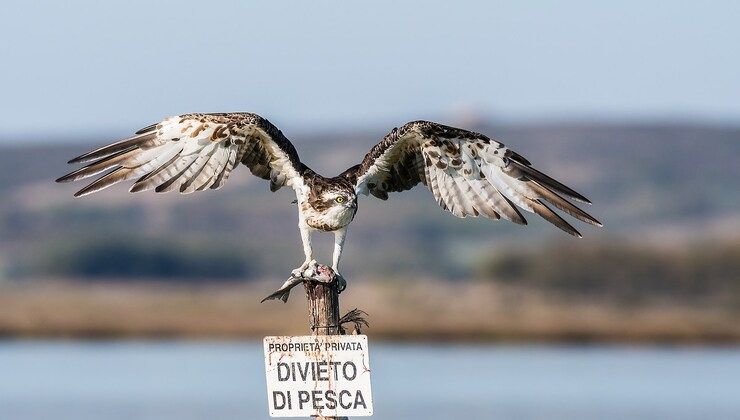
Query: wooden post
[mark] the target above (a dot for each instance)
(323, 307)
(323, 311)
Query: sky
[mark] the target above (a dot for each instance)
(78, 67)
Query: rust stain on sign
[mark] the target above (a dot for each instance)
(322, 376)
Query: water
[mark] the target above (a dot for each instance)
(183, 380)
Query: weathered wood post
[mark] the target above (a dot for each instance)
(323, 307)
(323, 311)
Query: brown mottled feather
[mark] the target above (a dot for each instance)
(448, 157)
(238, 138)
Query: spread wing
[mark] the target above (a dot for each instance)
(468, 173)
(193, 152)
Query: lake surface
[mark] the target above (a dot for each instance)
(186, 380)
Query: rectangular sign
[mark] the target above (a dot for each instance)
(325, 375)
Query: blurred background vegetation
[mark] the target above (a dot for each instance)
(666, 192)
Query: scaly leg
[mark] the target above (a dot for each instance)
(339, 236)
(307, 250)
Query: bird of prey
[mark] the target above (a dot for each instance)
(468, 174)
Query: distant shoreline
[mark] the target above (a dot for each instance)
(422, 312)
(400, 338)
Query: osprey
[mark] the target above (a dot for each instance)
(468, 173)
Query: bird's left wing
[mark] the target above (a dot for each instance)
(468, 173)
(193, 152)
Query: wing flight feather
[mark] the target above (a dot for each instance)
(468, 174)
(193, 152)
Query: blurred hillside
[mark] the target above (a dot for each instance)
(668, 253)
(666, 185)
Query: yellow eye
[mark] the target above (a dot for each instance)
(340, 199)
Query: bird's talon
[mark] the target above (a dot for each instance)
(301, 271)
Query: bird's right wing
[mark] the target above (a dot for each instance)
(193, 152)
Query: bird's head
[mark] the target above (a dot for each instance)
(335, 200)
(340, 197)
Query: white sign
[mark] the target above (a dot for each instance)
(326, 375)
